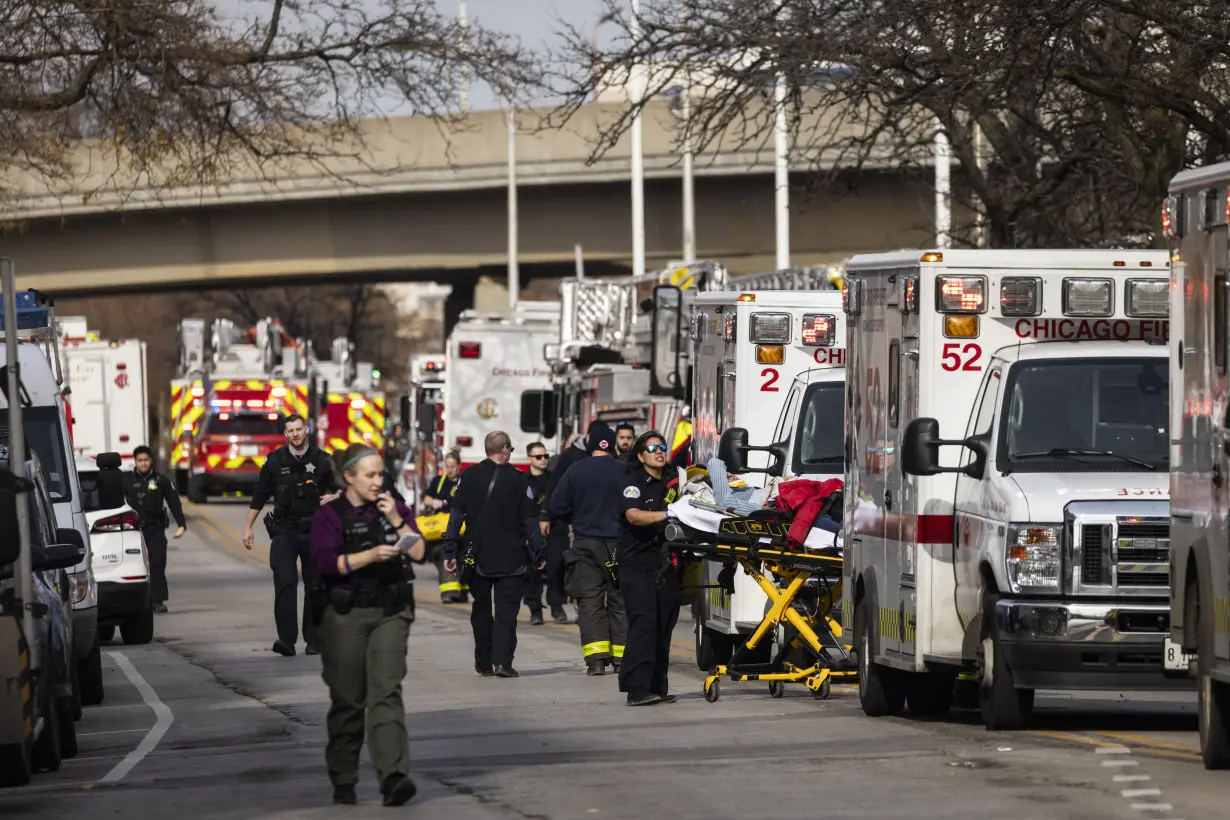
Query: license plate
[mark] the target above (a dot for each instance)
(249, 450)
(1173, 656)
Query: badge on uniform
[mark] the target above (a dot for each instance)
(529, 493)
(153, 485)
(632, 492)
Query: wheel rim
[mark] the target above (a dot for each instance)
(986, 663)
(1206, 707)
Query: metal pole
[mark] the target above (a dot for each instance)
(465, 68)
(943, 192)
(689, 191)
(980, 226)
(579, 256)
(781, 173)
(638, 157)
(514, 272)
(17, 454)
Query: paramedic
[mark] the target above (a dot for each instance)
(625, 434)
(298, 478)
(497, 506)
(556, 531)
(649, 577)
(437, 497)
(587, 495)
(539, 476)
(361, 545)
(146, 492)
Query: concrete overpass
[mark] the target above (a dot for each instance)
(417, 202)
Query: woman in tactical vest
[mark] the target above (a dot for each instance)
(362, 544)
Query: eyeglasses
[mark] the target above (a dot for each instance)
(538, 455)
(655, 448)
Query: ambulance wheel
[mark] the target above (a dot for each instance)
(90, 676)
(713, 691)
(68, 729)
(16, 768)
(776, 689)
(880, 690)
(47, 751)
(1004, 706)
(712, 647)
(1214, 703)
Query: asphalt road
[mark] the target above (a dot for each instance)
(208, 723)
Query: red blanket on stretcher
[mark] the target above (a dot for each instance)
(804, 498)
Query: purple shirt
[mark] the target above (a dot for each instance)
(325, 535)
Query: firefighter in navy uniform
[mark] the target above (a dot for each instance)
(299, 479)
(147, 492)
(649, 575)
(361, 544)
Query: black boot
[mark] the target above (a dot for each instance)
(345, 796)
(559, 615)
(398, 790)
(536, 617)
(643, 697)
(595, 668)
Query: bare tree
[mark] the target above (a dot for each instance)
(173, 93)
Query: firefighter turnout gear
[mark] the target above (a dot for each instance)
(149, 494)
(452, 591)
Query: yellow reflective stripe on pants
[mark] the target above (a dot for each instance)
(617, 650)
(450, 586)
(598, 648)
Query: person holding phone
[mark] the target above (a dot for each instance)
(362, 543)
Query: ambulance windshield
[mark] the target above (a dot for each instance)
(1086, 415)
(821, 433)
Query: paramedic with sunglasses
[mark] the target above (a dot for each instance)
(648, 577)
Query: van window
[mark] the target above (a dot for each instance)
(241, 424)
(44, 438)
(821, 430)
(783, 429)
(986, 407)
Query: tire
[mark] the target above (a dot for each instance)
(1214, 708)
(68, 729)
(1004, 706)
(712, 647)
(196, 492)
(138, 630)
(16, 768)
(47, 755)
(880, 690)
(76, 704)
(930, 694)
(106, 633)
(89, 676)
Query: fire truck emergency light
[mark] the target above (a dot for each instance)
(746, 297)
(1148, 297)
(819, 329)
(771, 328)
(961, 294)
(470, 350)
(1020, 296)
(1088, 297)
(770, 354)
(358, 404)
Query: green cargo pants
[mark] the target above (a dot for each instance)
(364, 657)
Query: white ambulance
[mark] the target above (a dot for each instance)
(762, 362)
(1195, 220)
(493, 359)
(107, 390)
(1037, 555)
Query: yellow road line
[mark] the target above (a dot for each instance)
(1152, 742)
(1139, 743)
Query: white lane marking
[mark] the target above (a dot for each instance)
(1130, 793)
(1131, 778)
(162, 720)
(1119, 763)
(1134, 794)
(1152, 806)
(1114, 750)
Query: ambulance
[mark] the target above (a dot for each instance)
(761, 361)
(1007, 488)
(1195, 221)
(105, 382)
(493, 360)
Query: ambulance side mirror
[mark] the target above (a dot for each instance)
(733, 449)
(920, 451)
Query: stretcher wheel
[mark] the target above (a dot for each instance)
(713, 692)
(824, 691)
(776, 689)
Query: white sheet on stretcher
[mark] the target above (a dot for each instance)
(707, 521)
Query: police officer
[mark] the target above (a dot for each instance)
(586, 494)
(649, 577)
(146, 492)
(438, 498)
(497, 506)
(299, 478)
(361, 543)
(539, 475)
(557, 531)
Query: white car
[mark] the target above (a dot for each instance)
(120, 559)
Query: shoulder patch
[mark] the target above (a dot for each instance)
(632, 492)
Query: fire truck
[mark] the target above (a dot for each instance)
(770, 347)
(349, 400)
(622, 355)
(233, 388)
(1195, 220)
(108, 390)
(494, 361)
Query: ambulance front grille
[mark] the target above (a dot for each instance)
(1129, 555)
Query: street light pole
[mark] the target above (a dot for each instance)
(638, 156)
(514, 271)
(464, 22)
(943, 190)
(781, 173)
(689, 191)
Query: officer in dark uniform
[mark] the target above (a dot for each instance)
(438, 498)
(361, 545)
(557, 531)
(298, 478)
(146, 492)
(586, 495)
(649, 577)
(539, 475)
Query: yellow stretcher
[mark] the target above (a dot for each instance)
(758, 546)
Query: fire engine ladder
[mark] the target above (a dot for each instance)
(822, 277)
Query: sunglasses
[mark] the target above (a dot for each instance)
(538, 455)
(655, 448)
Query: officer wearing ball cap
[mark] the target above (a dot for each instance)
(587, 495)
